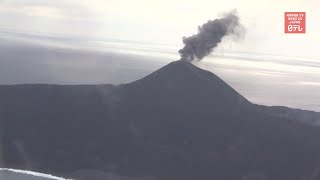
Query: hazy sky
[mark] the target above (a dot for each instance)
(44, 41)
(166, 21)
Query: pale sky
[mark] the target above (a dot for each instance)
(166, 21)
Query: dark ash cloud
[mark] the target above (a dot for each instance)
(209, 36)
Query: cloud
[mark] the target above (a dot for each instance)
(308, 83)
(49, 9)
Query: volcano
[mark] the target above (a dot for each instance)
(180, 122)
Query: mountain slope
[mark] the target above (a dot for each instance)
(179, 122)
(181, 80)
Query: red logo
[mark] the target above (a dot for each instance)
(295, 22)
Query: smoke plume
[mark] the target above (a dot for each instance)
(210, 34)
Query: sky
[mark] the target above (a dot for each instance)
(166, 21)
(118, 41)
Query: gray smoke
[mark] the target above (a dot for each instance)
(210, 34)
